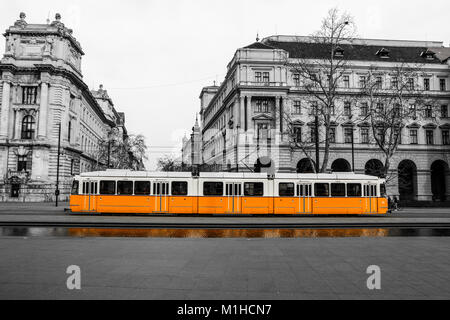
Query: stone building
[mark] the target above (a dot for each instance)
(191, 148)
(243, 130)
(42, 89)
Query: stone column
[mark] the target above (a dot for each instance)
(242, 112)
(276, 133)
(17, 129)
(43, 112)
(5, 110)
(424, 192)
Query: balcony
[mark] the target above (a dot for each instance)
(262, 84)
(18, 176)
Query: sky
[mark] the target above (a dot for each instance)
(154, 56)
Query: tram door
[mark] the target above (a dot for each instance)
(370, 198)
(161, 193)
(304, 192)
(90, 196)
(233, 192)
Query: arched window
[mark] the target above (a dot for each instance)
(27, 127)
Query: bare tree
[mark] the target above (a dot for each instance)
(321, 76)
(390, 105)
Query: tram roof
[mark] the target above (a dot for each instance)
(241, 175)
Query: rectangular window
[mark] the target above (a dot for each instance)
(348, 135)
(364, 109)
(254, 189)
(412, 111)
(297, 107)
(413, 136)
(410, 84)
(179, 188)
(333, 135)
(75, 187)
(124, 187)
(444, 111)
(262, 106)
(296, 79)
(286, 189)
(426, 84)
(263, 130)
(429, 137)
(29, 95)
(321, 189)
(398, 135)
(380, 108)
(380, 135)
(362, 81)
(397, 112)
(213, 188)
(266, 77)
(445, 137)
(298, 134)
(394, 83)
(258, 76)
(364, 135)
(21, 163)
(142, 188)
(428, 112)
(338, 189)
(353, 190)
(346, 81)
(442, 84)
(312, 134)
(347, 108)
(379, 82)
(107, 187)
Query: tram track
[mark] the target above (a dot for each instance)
(325, 225)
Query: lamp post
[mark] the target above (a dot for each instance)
(353, 151)
(316, 136)
(57, 166)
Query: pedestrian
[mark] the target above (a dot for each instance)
(389, 204)
(395, 200)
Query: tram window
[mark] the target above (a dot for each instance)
(322, 189)
(286, 189)
(373, 191)
(338, 189)
(383, 189)
(125, 187)
(141, 187)
(353, 190)
(107, 187)
(212, 188)
(254, 189)
(75, 186)
(179, 188)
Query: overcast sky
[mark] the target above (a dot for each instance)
(154, 57)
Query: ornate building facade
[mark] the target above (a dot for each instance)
(243, 127)
(42, 90)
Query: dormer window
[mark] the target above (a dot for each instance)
(428, 54)
(383, 53)
(338, 52)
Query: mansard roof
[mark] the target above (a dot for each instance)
(259, 45)
(309, 50)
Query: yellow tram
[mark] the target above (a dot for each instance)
(140, 192)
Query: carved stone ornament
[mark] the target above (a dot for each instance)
(21, 23)
(21, 151)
